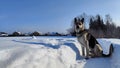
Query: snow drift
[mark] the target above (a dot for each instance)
(52, 52)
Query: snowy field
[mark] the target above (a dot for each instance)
(52, 52)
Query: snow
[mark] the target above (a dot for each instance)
(53, 52)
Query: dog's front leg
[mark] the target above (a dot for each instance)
(83, 51)
(87, 49)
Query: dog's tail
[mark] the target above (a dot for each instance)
(111, 50)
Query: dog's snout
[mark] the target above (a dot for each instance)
(77, 27)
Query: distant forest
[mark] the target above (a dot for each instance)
(99, 27)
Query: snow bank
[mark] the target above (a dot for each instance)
(52, 52)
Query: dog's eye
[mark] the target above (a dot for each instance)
(79, 23)
(76, 23)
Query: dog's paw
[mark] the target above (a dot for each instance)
(87, 58)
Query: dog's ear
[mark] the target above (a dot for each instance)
(75, 20)
(79, 19)
(82, 20)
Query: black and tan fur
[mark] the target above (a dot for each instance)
(89, 45)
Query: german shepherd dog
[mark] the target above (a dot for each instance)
(89, 45)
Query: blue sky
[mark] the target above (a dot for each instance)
(51, 15)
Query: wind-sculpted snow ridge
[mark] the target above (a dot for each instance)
(52, 52)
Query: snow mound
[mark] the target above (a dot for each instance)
(52, 52)
(105, 45)
(34, 37)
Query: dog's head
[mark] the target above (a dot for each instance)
(79, 25)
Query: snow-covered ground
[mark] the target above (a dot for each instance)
(52, 52)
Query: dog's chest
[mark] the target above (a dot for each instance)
(81, 40)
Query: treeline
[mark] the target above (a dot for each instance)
(99, 27)
(103, 29)
(35, 33)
